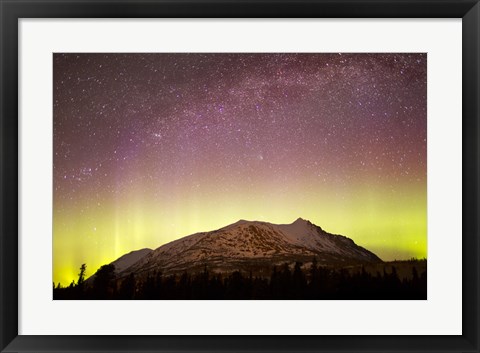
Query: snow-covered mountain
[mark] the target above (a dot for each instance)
(127, 260)
(250, 245)
(124, 262)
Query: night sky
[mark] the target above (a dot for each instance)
(152, 147)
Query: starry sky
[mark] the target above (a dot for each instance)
(148, 148)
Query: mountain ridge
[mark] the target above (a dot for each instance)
(247, 245)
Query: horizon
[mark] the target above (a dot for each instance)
(149, 148)
(92, 272)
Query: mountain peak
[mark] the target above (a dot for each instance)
(245, 243)
(300, 220)
(240, 221)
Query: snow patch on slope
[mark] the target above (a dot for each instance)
(127, 260)
(249, 242)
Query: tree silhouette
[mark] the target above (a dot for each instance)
(304, 282)
(127, 288)
(81, 278)
(103, 283)
(299, 282)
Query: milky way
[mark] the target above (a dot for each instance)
(152, 147)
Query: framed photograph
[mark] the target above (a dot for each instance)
(235, 176)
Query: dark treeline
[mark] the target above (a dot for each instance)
(312, 282)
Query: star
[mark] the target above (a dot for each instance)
(202, 140)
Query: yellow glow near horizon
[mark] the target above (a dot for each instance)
(148, 148)
(392, 224)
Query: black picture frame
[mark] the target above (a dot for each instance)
(12, 10)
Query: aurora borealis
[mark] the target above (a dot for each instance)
(149, 148)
